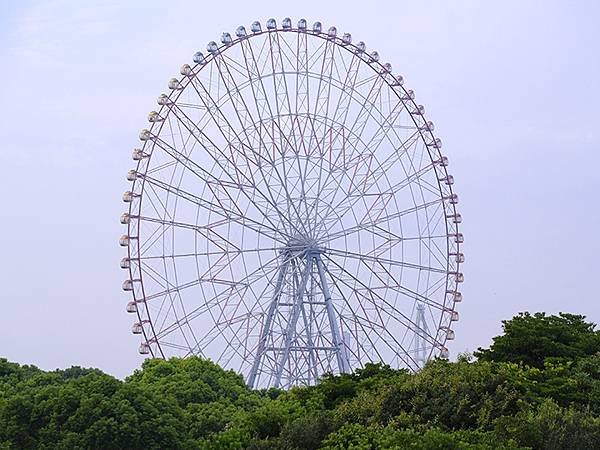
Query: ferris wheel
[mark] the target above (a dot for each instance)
(291, 214)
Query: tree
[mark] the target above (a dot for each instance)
(533, 339)
(551, 427)
(537, 386)
(307, 432)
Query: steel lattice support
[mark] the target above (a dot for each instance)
(303, 300)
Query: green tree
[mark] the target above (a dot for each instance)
(307, 431)
(358, 437)
(551, 427)
(532, 339)
(537, 386)
(459, 395)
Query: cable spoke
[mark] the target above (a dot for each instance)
(237, 217)
(388, 262)
(408, 323)
(384, 219)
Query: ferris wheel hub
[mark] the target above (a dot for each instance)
(302, 245)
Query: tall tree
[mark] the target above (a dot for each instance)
(532, 339)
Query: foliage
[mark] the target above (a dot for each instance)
(549, 426)
(358, 437)
(542, 396)
(535, 339)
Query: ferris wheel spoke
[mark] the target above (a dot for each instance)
(234, 142)
(157, 277)
(250, 182)
(431, 240)
(384, 126)
(175, 346)
(250, 280)
(303, 178)
(425, 238)
(263, 109)
(258, 324)
(357, 127)
(208, 253)
(153, 197)
(283, 110)
(282, 100)
(398, 287)
(317, 149)
(413, 177)
(374, 211)
(408, 323)
(337, 144)
(383, 219)
(302, 83)
(149, 241)
(367, 106)
(321, 107)
(302, 170)
(217, 330)
(296, 173)
(356, 320)
(361, 185)
(220, 329)
(242, 111)
(233, 347)
(207, 231)
(382, 261)
(379, 205)
(246, 121)
(382, 331)
(172, 289)
(229, 308)
(237, 217)
(302, 110)
(283, 180)
(235, 65)
(206, 176)
(234, 289)
(346, 324)
(288, 55)
(403, 354)
(343, 105)
(181, 134)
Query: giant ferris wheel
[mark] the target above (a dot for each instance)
(290, 212)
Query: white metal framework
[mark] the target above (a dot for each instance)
(291, 213)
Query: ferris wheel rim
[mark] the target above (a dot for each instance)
(426, 136)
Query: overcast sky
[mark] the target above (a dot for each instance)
(513, 89)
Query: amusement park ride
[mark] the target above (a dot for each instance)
(290, 212)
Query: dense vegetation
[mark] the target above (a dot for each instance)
(537, 386)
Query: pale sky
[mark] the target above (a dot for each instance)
(512, 87)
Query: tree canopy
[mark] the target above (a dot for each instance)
(534, 339)
(545, 395)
